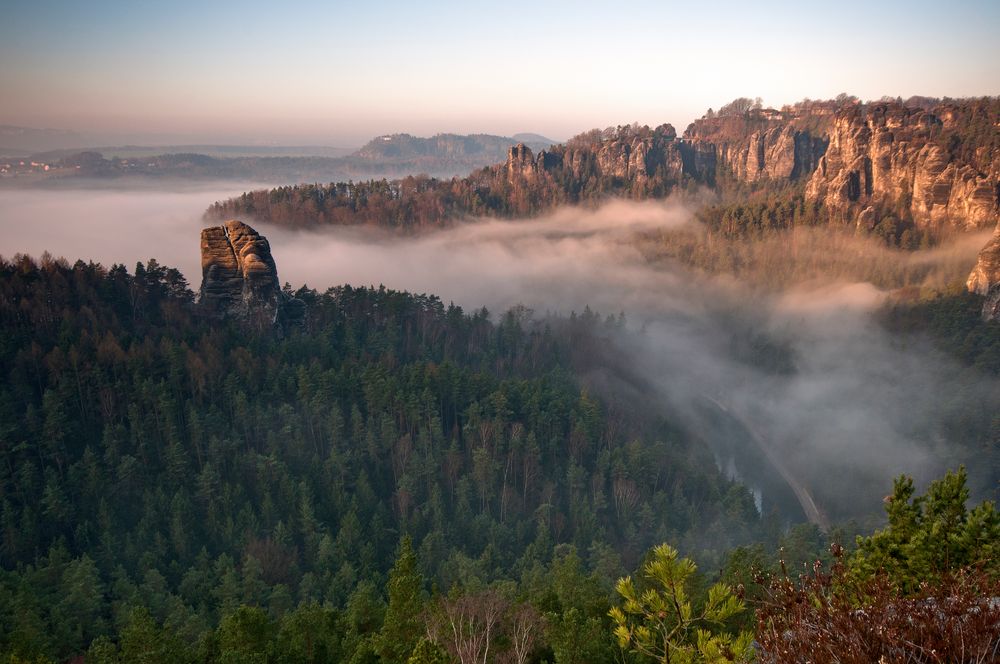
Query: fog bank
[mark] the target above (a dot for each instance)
(111, 225)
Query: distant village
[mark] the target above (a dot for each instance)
(87, 163)
(19, 167)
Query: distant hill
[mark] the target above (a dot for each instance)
(220, 151)
(390, 156)
(447, 146)
(534, 141)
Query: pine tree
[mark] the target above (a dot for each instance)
(931, 535)
(661, 622)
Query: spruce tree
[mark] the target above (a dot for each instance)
(402, 627)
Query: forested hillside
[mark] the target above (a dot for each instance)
(159, 461)
(177, 487)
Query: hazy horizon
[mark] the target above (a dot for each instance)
(335, 74)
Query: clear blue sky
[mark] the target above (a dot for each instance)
(338, 73)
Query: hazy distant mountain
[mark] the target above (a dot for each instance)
(389, 156)
(534, 141)
(56, 143)
(447, 146)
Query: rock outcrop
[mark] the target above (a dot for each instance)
(914, 170)
(770, 145)
(637, 157)
(240, 279)
(985, 278)
(629, 154)
(521, 163)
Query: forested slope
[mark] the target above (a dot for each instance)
(154, 458)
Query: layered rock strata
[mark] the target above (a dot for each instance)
(240, 278)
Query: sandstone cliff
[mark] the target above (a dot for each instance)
(937, 167)
(624, 159)
(985, 277)
(240, 279)
(925, 166)
(902, 159)
(762, 145)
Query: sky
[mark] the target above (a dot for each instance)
(334, 73)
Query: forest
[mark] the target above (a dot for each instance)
(179, 489)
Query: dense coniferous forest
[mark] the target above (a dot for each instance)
(176, 488)
(161, 468)
(401, 480)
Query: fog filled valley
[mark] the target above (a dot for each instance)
(790, 339)
(376, 421)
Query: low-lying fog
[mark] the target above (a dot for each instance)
(856, 409)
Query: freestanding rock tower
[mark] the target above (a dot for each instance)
(239, 278)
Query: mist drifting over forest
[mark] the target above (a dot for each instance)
(842, 404)
(505, 333)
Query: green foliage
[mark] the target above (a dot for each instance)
(142, 641)
(749, 219)
(428, 652)
(245, 635)
(309, 635)
(922, 589)
(403, 623)
(931, 535)
(828, 616)
(102, 650)
(18, 659)
(658, 619)
(575, 606)
(152, 458)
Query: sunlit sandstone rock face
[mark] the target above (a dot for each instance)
(985, 277)
(861, 161)
(889, 155)
(853, 158)
(240, 279)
